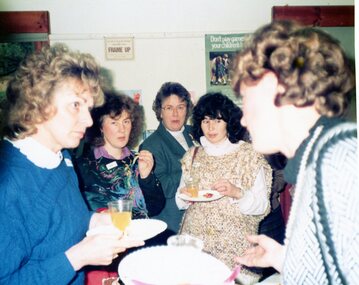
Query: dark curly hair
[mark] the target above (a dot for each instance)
(218, 106)
(308, 62)
(171, 88)
(115, 104)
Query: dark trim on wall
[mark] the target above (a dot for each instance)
(26, 22)
(319, 16)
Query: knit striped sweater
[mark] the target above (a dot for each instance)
(322, 237)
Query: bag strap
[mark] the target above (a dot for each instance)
(195, 151)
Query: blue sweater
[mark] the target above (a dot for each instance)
(42, 214)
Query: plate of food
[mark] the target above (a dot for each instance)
(203, 196)
(143, 229)
(164, 265)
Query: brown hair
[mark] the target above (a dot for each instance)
(171, 88)
(30, 92)
(115, 104)
(308, 62)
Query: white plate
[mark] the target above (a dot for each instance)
(171, 265)
(143, 229)
(201, 196)
(103, 230)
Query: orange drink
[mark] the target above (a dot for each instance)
(121, 213)
(121, 219)
(192, 187)
(193, 191)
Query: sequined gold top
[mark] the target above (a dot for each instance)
(220, 224)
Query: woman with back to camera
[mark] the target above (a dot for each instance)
(295, 83)
(229, 165)
(109, 169)
(43, 216)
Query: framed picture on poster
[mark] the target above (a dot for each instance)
(221, 50)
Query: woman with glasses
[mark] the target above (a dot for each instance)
(168, 144)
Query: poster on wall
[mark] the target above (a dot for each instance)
(135, 94)
(119, 48)
(221, 50)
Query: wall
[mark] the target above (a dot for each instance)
(169, 35)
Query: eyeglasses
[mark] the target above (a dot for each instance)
(169, 109)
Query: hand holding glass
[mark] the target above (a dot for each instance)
(121, 213)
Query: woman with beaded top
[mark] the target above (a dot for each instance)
(224, 162)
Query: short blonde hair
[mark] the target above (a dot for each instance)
(30, 92)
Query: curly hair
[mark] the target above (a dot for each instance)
(30, 92)
(218, 106)
(171, 88)
(308, 62)
(115, 104)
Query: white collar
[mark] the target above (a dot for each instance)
(176, 133)
(223, 148)
(37, 153)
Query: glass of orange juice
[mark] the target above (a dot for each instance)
(121, 213)
(192, 186)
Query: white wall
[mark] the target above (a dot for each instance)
(169, 34)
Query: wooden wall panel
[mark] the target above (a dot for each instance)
(25, 22)
(322, 16)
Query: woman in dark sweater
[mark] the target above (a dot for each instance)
(108, 169)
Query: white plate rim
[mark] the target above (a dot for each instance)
(215, 196)
(158, 226)
(127, 277)
(104, 229)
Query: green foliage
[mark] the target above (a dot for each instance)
(11, 54)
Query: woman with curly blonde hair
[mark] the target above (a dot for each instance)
(295, 82)
(42, 213)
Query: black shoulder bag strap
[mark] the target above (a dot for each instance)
(195, 151)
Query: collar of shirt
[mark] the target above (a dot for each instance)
(222, 148)
(176, 133)
(291, 169)
(37, 153)
(179, 137)
(102, 152)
